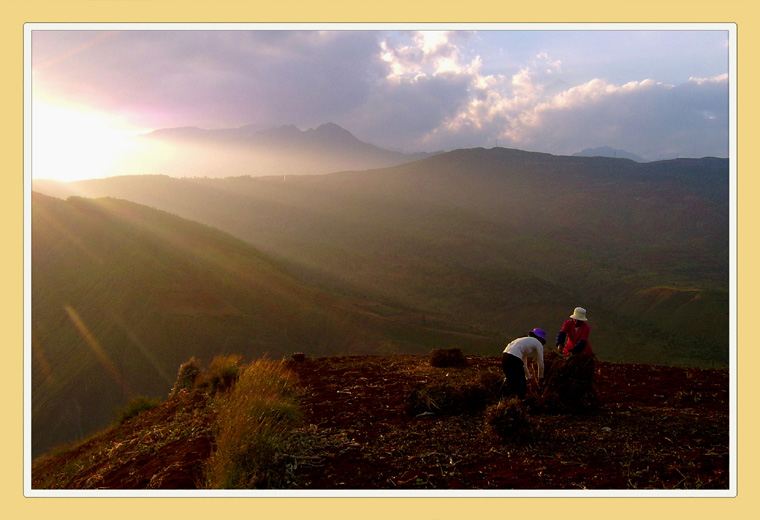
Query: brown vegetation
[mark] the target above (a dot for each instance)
(447, 357)
(509, 421)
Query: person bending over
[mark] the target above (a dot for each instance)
(514, 361)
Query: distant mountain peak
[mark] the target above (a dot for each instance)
(284, 130)
(332, 132)
(281, 150)
(331, 127)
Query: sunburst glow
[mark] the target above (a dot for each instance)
(70, 144)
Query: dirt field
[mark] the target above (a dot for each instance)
(654, 428)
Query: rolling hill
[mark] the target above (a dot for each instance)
(122, 294)
(495, 240)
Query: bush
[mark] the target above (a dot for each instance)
(254, 424)
(447, 357)
(509, 421)
(222, 373)
(186, 377)
(135, 407)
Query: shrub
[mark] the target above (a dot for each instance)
(186, 377)
(254, 427)
(135, 407)
(223, 371)
(509, 421)
(447, 357)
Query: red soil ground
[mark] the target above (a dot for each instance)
(655, 428)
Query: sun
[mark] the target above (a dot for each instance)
(70, 144)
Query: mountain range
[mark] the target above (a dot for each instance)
(495, 240)
(249, 150)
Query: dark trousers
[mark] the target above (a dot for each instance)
(514, 371)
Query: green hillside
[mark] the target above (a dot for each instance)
(122, 294)
(498, 240)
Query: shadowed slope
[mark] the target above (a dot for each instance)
(122, 293)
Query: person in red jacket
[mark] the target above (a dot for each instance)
(572, 339)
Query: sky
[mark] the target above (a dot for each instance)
(659, 92)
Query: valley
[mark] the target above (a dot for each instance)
(492, 239)
(469, 249)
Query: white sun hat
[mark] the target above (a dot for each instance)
(579, 314)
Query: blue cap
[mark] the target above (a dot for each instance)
(539, 333)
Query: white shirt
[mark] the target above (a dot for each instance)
(526, 348)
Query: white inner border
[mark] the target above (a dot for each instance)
(732, 74)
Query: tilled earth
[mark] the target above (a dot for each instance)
(655, 428)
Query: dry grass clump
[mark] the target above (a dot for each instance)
(223, 372)
(493, 382)
(254, 427)
(186, 376)
(220, 376)
(509, 421)
(569, 385)
(135, 407)
(447, 357)
(452, 398)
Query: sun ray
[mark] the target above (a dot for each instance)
(42, 361)
(98, 38)
(100, 354)
(76, 241)
(137, 342)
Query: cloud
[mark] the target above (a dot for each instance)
(429, 53)
(410, 90)
(535, 109)
(652, 119)
(211, 78)
(426, 81)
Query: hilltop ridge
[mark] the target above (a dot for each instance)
(668, 431)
